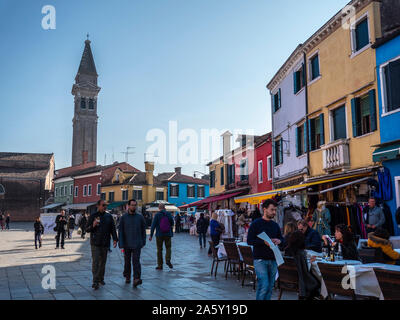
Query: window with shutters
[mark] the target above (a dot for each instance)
(360, 35)
(98, 188)
(300, 149)
(231, 173)
(103, 196)
(299, 79)
(314, 67)
(244, 170)
(278, 152)
(124, 195)
(61, 191)
(190, 191)
(138, 195)
(56, 192)
(212, 179)
(159, 195)
(364, 114)
(111, 196)
(65, 191)
(222, 179)
(316, 132)
(391, 86)
(85, 190)
(200, 191)
(269, 168)
(89, 190)
(174, 190)
(76, 191)
(260, 171)
(338, 120)
(71, 189)
(276, 100)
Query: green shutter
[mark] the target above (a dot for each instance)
(310, 136)
(281, 152)
(321, 121)
(354, 119)
(272, 103)
(304, 74)
(274, 152)
(305, 137)
(372, 108)
(279, 99)
(297, 142)
(295, 82)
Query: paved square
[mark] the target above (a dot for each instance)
(21, 271)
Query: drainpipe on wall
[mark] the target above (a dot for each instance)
(306, 103)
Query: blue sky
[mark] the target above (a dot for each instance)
(202, 63)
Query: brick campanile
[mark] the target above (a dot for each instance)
(85, 92)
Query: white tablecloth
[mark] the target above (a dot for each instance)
(222, 251)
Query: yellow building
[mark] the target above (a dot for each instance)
(217, 176)
(126, 185)
(342, 92)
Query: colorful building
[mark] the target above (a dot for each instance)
(388, 151)
(183, 189)
(289, 127)
(133, 184)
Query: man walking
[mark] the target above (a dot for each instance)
(374, 218)
(162, 223)
(8, 222)
(71, 225)
(178, 220)
(101, 227)
(132, 238)
(61, 221)
(39, 230)
(264, 258)
(82, 225)
(202, 226)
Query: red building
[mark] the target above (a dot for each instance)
(263, 164)
(87, 185)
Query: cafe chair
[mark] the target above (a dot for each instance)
(248, 261)
(216, 260)
(389, 282)
(333, 276)
(229, 239)
(371, 255)
(234, 264)
(288, 277)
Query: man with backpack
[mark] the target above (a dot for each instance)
(162, 223)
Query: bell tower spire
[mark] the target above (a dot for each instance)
(85, 92)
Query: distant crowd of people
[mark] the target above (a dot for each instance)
(4, 221)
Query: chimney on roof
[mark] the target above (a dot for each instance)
(149, 168)
(226, 140)
(178, 170)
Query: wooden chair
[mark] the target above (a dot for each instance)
(229, 240)
(333, 276)
(248, 261)
(216, 260)
(389, 281)
(371, 255)
(232, 253)
(288, 277)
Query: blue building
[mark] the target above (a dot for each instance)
(183, 189)
(388, 152)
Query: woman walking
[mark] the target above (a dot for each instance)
(39, 230)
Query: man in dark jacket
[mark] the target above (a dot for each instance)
(313, 239)
(101, 227)
(202, 226)
(162, 223)
(61, 221)
(132, 238)
(82, 225)
(71, 225)
(39, 230)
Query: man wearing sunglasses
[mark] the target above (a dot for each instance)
(101, 228)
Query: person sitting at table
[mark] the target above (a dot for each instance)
(380, 239)
(312, 238)
(290, 227)
(309, 285)
(345, 238)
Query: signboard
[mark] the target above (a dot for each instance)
(49, 222)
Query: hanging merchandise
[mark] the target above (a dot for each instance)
(385, 185)
(225, 217)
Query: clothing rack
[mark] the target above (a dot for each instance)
(346, 203)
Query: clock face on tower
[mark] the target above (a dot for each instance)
(84, 141)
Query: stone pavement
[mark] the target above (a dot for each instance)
(21, 271)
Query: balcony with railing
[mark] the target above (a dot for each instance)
(336, 155)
